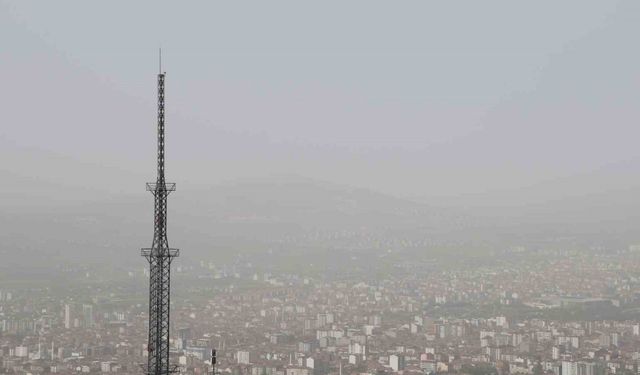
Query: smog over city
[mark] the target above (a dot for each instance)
(320, 188)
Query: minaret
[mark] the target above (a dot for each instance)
(159, 256)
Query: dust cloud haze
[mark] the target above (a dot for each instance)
(491, 110)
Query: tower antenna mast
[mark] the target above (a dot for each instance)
(159, 256)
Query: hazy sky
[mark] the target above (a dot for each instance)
(449, 101)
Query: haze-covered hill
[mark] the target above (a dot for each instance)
(287, 213)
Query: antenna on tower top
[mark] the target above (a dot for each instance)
(160, 60)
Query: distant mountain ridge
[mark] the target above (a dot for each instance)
(256, 213)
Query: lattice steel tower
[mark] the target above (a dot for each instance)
(159, 256)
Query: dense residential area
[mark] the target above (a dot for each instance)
(508, 312)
